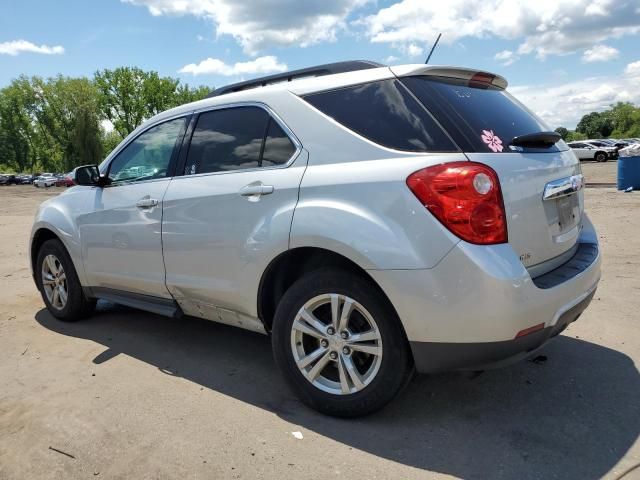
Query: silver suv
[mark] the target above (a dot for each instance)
(371, 220)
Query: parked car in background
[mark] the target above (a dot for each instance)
(8, 179)
(27, 179)
(374, 220)
(631, 140)
(590, 150)
(65, 180)
(613, 142)
(45, 180)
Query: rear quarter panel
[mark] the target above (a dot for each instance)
(364, 211)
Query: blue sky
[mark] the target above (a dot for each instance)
(562, 58)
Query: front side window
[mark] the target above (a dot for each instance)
(149, 155)
(237, 138)
(385, 113)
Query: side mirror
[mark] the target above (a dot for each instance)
(88, 175)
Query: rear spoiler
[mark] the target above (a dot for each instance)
(451, 72)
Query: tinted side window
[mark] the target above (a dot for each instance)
(385, 113)
(149, 155)
(229, 139)
(278, 148)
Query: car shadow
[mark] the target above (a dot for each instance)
(572, 416)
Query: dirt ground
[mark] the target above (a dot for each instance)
(126, 394)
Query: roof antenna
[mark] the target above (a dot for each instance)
(433, 48)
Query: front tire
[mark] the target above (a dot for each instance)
(600, 157)
(339, 344)
(58, 283)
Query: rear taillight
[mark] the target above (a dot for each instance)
(465, 197)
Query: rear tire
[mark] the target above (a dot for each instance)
(58, 283)
(350, 375)
(600, 157)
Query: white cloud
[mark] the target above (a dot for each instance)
(391, 59)
(600, 53)
(16, 47)
(633, 69)
(505, 57)
(546, 27)
(414, 50)
(565, 104)
(598, 7)
(258, 24)
(215, 66)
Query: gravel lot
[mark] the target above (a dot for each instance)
(128, 394)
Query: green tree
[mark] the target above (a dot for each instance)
(595, 125)
(56, 124)
(68, 112)
(626, 120)
(185, 94)
(128, 96)
(110, 140)
(21, 140)
(563, 132)
(120, 97)
(573, 136)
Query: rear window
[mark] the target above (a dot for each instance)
(385, 113)
(481, 118)
(278, 148)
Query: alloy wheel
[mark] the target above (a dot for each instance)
(336, 344)
(54, 282)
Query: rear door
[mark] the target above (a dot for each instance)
(230, 212)
(484, 119)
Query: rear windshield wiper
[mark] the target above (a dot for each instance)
(536, 140)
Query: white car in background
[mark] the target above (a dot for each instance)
(45, 180)
(593, 150)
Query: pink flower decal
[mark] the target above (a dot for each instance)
(492, 140)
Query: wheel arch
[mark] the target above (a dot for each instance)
(43, 233)
(39, 237)
(291, 265)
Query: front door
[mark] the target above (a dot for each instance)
(121, 233)
(231, 212)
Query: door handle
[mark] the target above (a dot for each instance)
(256, 189)
(147, 202)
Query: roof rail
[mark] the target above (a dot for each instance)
(317, 71)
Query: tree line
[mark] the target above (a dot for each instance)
(622, 120)
(58, 123)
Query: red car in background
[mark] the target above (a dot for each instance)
(65, 180)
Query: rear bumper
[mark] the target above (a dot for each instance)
(435, 357)
(467, 310)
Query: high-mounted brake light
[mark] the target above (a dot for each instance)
(481, 80)
(465, 197)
